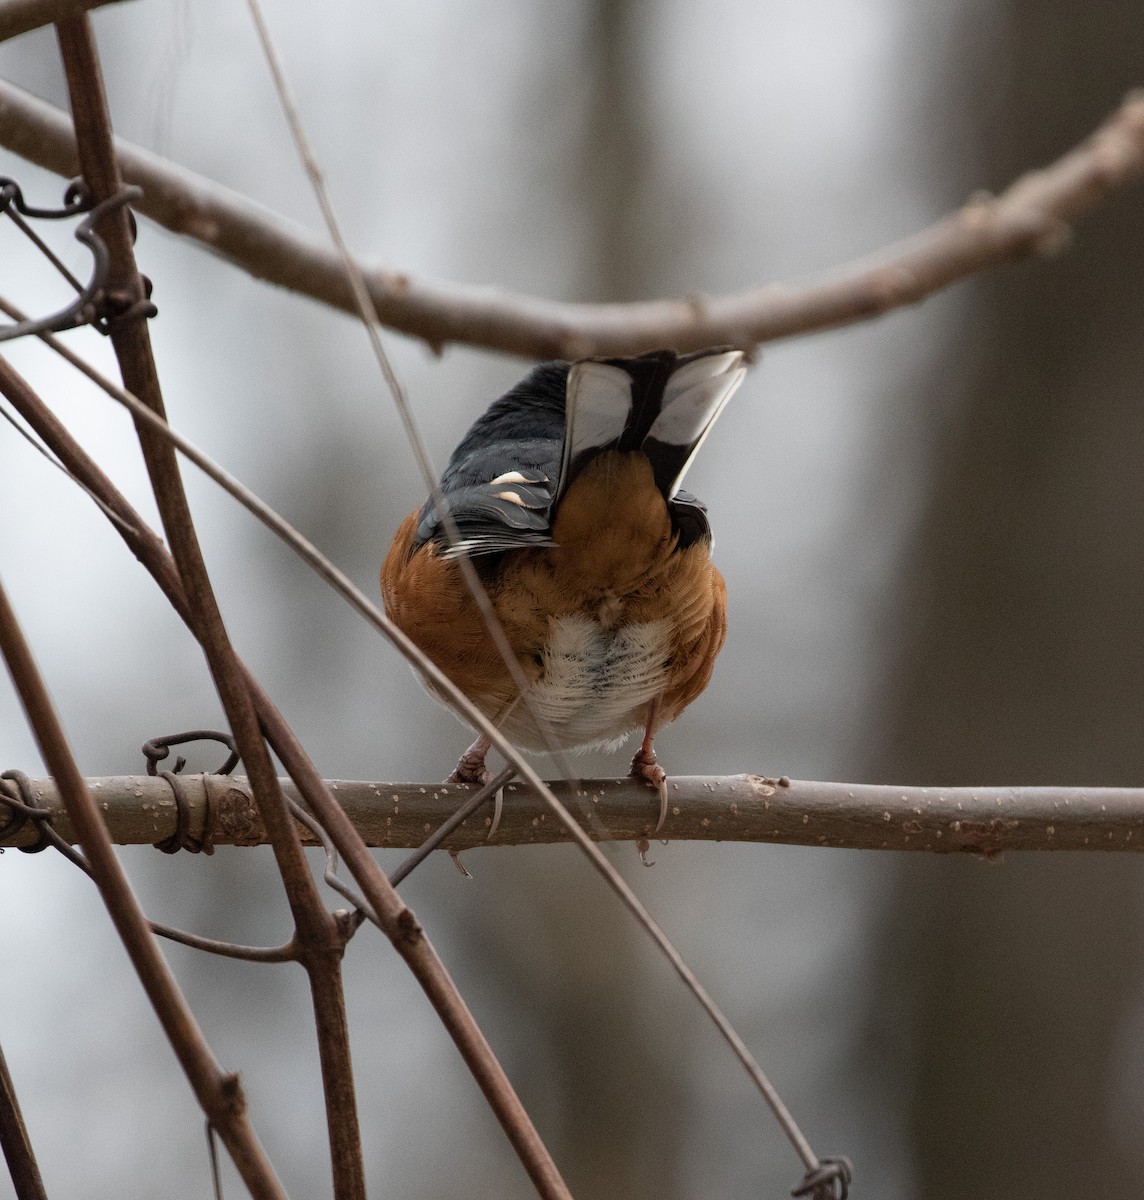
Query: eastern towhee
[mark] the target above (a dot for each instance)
(565, 496)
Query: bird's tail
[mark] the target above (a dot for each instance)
(661, 403)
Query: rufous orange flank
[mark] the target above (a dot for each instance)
(566, 496)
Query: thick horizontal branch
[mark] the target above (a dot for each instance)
(1031, 217)
(732, 808)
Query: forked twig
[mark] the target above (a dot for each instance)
(319, 939)
(218, 1093)
(397, 921)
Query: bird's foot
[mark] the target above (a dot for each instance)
(471, 769)
(645, 767)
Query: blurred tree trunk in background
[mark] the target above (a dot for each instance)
(620, 1093)
(621, 1105)
(1021, 659)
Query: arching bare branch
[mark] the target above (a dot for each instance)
(1033, 216)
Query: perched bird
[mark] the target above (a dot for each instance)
(565, 496)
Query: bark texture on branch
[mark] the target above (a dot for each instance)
(732, 808)
(22, 16)
(1031, 217)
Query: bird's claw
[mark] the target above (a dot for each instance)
(498, 808)
(645, 767)
(456, 857)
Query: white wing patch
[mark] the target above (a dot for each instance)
(517, 477)
(490, 543)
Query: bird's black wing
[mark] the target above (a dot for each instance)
(501, 479)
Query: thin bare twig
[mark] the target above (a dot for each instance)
(15, 1143)
(442, 834)
(287, 952)
(46, 454)
(319, 941)
(219, 1094)
(1031, 217)
(330, 870)
(365, 309)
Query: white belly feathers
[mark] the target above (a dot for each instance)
(595, 684)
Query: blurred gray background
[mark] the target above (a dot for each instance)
(930, 528)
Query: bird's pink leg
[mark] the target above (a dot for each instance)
(471, 769)
(471, 765)
(645, 766)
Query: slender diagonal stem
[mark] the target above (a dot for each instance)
(15, 1143)
(442, 832)
(319, 942)
(218, 1093)
(367, 312)
(397, 921)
